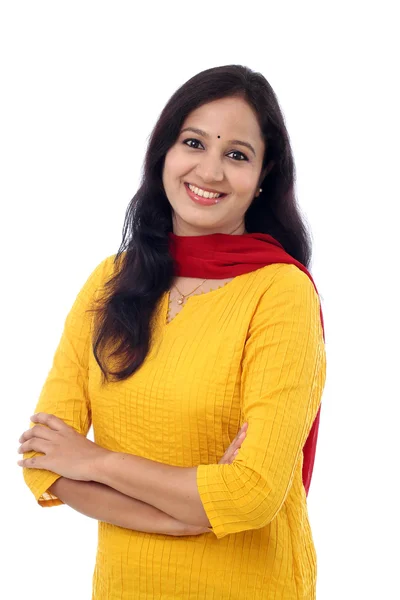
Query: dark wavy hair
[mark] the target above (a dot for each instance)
(145, 267)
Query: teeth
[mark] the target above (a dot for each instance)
(203, 193)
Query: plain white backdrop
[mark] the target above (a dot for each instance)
(82, 85)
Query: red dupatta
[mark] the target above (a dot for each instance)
(220, 256)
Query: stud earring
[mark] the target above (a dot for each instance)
(260, 190)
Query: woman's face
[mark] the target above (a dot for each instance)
(221, 151)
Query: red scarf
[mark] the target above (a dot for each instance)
(220, 256)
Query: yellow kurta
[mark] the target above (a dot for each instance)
(251, 351)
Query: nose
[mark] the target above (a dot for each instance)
(209, 168)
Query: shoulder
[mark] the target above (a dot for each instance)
(107, 267)
(99, 275)
(289, 301)
(285, 289)
(284, 278)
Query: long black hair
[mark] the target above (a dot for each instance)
(145, 268)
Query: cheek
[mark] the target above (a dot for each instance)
(168, 169)
(176, 164)
(244, 183)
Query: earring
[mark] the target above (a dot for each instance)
(260, 190)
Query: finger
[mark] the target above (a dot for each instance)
(35, 445)
(243, 429)
(237, 442)
(50, 420)
(229, 460)
(234, 445)
(36, 462)
(36, 431)
(228, 456)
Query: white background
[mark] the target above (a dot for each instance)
(82, 85)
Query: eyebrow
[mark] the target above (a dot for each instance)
(206, 135)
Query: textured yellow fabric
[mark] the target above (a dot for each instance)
(252, 351)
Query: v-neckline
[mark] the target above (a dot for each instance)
(165, 302)
(165, 310)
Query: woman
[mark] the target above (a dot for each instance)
(206, 327)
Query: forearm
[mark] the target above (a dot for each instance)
(173, 490)
(104, 503)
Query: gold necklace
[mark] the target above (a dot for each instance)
(182, 296)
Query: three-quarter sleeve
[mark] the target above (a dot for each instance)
(283, 375)
(65, 390)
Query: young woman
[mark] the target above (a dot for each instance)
(204, 332)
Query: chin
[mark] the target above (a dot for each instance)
(202, 223)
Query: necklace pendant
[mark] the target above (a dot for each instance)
(180, 301)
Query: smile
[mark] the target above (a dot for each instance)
(203, 197)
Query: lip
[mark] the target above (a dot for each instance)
(201, 200)
(203, 188)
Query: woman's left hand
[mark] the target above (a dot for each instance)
(65, 451)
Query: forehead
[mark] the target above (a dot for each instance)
(227, 117)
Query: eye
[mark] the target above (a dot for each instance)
(232, 152)
(192, 140)
(241, 153)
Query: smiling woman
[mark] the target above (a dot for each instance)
(197, 352)
(215, 163)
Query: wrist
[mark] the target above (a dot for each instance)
(101, 466)
(182, 529)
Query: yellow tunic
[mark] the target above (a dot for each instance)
(251, 351)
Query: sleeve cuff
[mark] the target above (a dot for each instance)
(208, 488)
(39, 486)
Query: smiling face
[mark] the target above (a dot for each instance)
(224, 154)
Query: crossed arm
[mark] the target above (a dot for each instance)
(105, 504)
(102, 497)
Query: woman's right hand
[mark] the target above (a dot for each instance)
(182, 529)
